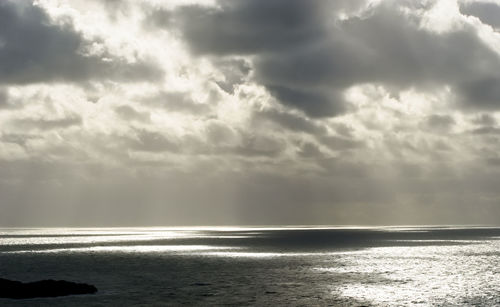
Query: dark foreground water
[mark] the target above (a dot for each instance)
(304, 266)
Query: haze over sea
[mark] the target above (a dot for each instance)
(283, 266)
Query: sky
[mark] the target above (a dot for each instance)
(236, 112)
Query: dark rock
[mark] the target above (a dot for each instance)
(43, 288)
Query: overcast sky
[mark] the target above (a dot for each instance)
(249, 112)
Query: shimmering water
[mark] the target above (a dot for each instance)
(301, 266)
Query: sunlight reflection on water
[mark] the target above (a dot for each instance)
(422, 275)
(128, 249)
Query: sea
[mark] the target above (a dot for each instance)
(259, 266)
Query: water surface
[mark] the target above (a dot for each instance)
(283, 266)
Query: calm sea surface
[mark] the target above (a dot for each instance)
(299, 266)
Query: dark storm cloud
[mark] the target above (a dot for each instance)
(262, 27)
(248, 27)
(386, 48)
(33, 49)
(306, 57)
(313, 103)
(487, 12)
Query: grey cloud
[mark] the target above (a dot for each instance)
(385, 47)
(9, 103)
(440, 122)
(493, 162)
(115, 8)
(176, 102)
(307, 58)
(345, 170)
(484, 93)
(47, 124)
(261, 27)
(259, 145)
(337, 143)
(225, 140)
(486, 130)
(309, 150)
(344, 130)
(289, 121)
(33, 49)
(130, 114)
(59, 193)
(17, 138)
(314, 104)
(246, 27)
(234, 70)
(151, 141)
(218, 140)
(485, 120)
(158, 19)
(4, 100)
(487, 12)
(220, 134)
(442, 146)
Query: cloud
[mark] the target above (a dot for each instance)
(4, 100)
(289, 121)
(130, 114)
(314, 104)
(486, 130)
(234, 72)
(487, 12)
(483, 93)
(309, 150)
(247, 111)
(151, 141)
(485, 120)
(440, 122)
(259, 145)
(34, 49)
(176, 102)
(47, 124)
(242, 27)
(306, 54)
(340, 143)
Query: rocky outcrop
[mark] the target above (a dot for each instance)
(43, 288)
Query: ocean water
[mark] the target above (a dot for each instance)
(257, 266)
